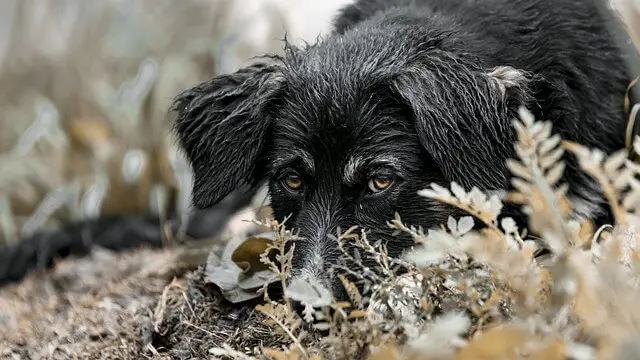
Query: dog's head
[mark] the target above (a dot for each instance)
(347, 132)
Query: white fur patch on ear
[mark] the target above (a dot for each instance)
(507, 77)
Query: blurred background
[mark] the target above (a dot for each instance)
(85, 88)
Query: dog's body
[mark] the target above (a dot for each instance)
(403, 94)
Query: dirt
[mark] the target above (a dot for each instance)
(134, 305)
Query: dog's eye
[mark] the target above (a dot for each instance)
(378, 184)
(292, 182)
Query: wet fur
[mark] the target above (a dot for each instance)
(421, 91)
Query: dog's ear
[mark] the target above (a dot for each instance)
(464, 119)
(222, 126)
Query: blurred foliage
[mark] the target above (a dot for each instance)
(85, 87)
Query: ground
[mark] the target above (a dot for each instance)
(115, 306)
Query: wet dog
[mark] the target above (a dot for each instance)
(402, 94)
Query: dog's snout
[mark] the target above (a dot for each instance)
(308, 262)
(314, 261)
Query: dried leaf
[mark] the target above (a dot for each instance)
(550, 144)
(465, 224)
(555, 173)
(554, 351)
(477, 197)
(459, 192)
(551, 158)
(500, 342)
(522, 186)
(615, 161)
(442, 335)
(452, 225)
(352, 290)
(281, 355)
(257, 279)
(89, 132)
(225, 276)
(236, 284)
(247, 254)
(519, 170)
(358, 314)
(509, 225)
(322, 326)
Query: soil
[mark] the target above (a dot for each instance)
(140, 304)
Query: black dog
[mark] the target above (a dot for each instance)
(404, 93)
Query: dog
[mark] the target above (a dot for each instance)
(402, 94)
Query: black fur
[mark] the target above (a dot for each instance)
(418, 91)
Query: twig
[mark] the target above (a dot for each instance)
(289, 333)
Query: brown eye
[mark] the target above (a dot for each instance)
(293, 182)
(377, 184)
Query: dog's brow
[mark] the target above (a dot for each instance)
(356, 164)
(352, 168)
(285, 160)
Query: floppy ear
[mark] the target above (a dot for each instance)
(463, 119)
(222, 126)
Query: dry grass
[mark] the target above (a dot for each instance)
(87, 308)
